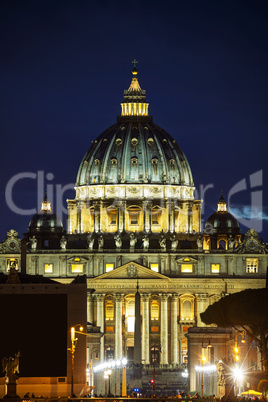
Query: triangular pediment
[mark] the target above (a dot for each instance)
(132, 270)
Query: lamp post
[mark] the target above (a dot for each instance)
(72, 350)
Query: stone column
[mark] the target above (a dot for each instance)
(118, 327)
(100, 322)
(190, 218)
(174, 329)
(96, 216)
(147, 215)
(202, 302)
(164, 329)
(90, 312)
(172, 218)
(79, 216)
(145, 337)
(121, 205)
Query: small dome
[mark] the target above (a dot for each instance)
(45, 219)
(222, 222)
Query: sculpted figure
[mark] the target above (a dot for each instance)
(118, 241)
(63, 242)
(174, 243)
(145, 242)
(90, 242)
(132, 241)
(162, 242)
(199, 242)
(33, 243)
(100, 242)
(231, 242)
(11, 365)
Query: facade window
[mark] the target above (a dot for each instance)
(109, 354)
(252, 265)
(109, 311)
(48, 268)
(12, 263)
(215, 268)
(155, 355)
(112, 216)
(156, 216)
(154, 310)
(154, 267)
(109, 267)
(134, 216)
(130, 315)
(186, 268)
(77, 268)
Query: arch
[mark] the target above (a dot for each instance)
(221, 244)
(134, 219)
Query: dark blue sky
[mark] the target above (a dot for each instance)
(65, 64)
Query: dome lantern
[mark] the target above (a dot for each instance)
(134, 98)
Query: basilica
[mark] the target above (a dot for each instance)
(134, 233)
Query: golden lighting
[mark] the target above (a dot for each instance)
(154, 267)
(186, 268)
(109, 267)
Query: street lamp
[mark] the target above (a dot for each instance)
(72, 350)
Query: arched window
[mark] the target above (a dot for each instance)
(109, 311)
(134, 215)
(154, 310)
(222, 245)
(156, 216)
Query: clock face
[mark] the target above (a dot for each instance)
(12, 245)
(252, 245)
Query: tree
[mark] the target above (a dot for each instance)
(247, 310)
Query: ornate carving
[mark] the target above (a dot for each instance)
(252, 244)
(11, 243)
(132, 271)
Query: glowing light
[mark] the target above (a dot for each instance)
(206, 369)
(110, 364)
(238, 374)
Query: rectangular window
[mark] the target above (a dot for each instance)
(109, 267)
(186, 268)
(134, 217)
(48, 268)
(113, 218)
(154, 267)
(252, 265)
(154, 329)
(215, 268)
(77, 268)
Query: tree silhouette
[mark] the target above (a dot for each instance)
(247, 310)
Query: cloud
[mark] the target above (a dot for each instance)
(249, 212)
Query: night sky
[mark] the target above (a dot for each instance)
(64, 66)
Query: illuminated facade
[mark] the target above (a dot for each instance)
(134, 217)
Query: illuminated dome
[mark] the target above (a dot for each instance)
(45, 220)
(222, 222)
(134, 178)
(134, 150)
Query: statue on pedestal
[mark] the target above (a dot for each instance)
(11, 369)
(174, 243)
(162, 243)
(33, 243)
(63, 243)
